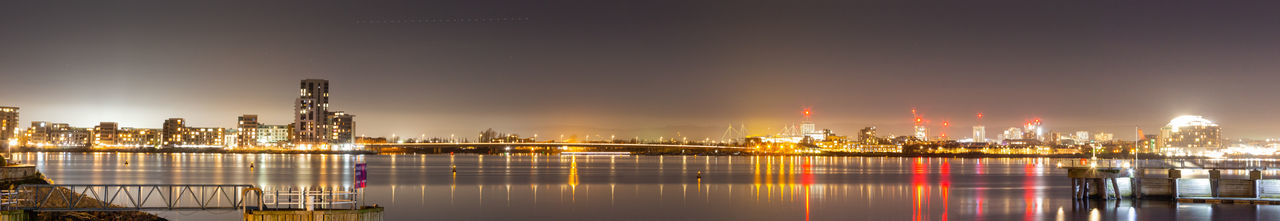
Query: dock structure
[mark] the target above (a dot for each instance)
(1215, 183)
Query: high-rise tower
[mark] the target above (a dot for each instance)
(311, 112)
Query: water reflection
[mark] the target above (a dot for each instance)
(550, 187)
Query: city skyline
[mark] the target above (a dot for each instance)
(648, 69)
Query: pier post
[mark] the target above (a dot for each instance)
(1174, 175)
(1215, 176)
(1075, 188)
(1115, 185)
(1256, 176)
(1136, 183)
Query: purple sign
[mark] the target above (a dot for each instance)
(360, 175)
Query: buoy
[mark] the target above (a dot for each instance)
(699, 174)
(455, 169)
(250, 165)
(126, 162)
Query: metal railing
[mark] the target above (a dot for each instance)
(1171, 163)
(92, 197)
(310, 198)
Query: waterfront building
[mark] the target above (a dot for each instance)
(246, 131)
(45, 134)
(106, 134)
(8, 127)
(139, 137)
(203, 137)
(272, 135)
(311, 111)
(1189, 134)
(231, 138)
(172, 132)
(342, 126)
(979, 134)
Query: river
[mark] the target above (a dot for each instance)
(552, 187)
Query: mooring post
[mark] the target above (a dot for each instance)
(1115, 184)
(1075, 189)
(1136, 183)
(1174, 175)
(1215, 176)
(1256, 176)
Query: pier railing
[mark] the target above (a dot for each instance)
(91, 197)
(310, 198)
(1171, 163)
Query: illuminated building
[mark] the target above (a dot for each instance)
(176, 134)
(1081, 136)
(868, 135)
(44, 134)
(172, 132)
(921, 133)
(311, 112)
(139, 137)
(1034, 130)
(1103, 137)
(8, 127)
(1148, 143)
(342, 126)
(106, 134)
(979, 134)
(203, 137)
(1013, 133)
(246, 131)
(1189, 134)
(272, 135)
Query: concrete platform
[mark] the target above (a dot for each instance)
(1230, 200)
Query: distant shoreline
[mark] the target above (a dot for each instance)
(367, 152)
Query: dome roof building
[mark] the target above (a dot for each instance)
(1189, 134)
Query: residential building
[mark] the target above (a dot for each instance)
(8, 127)
(311, 111)
(247, 131)
(272, 135)
(106, 134)
(342, 126)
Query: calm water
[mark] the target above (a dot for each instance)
(499, 187)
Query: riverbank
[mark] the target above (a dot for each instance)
(654, 153)
(646, 153)
(186, 150)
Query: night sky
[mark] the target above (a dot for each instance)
(649, 68)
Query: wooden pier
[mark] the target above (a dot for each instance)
(1242, 185)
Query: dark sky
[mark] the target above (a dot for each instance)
(648, 68)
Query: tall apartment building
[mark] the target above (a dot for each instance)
(247, 131)
(311, 111)
(8, 127)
